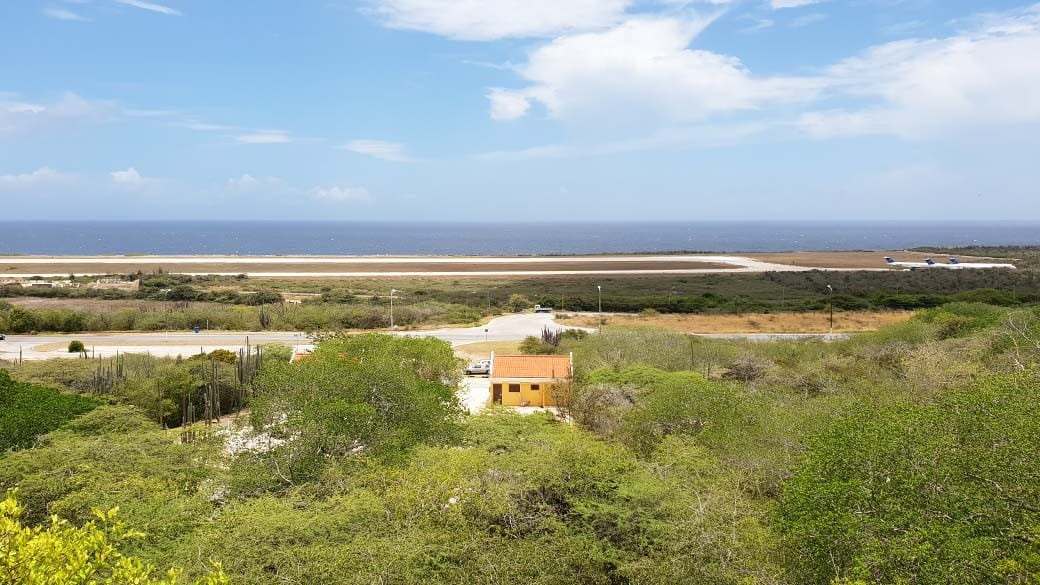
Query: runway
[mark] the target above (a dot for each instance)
(393, 266)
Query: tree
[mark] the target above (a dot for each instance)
(373, 393)
(62, 553)
(76, 346)
(518, 303)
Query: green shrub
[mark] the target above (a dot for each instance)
(943, 493)
(76, 346)
(28, 411)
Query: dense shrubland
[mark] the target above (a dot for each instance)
(902, 456)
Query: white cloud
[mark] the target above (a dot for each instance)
(265, 137)
(507, 105)
(131, 180)
(645, 72)
(496, 19)
(146, 113)
(381, 149)
(340, 193)
(152, 7)
(922, 88)
(62, 14)
(17, 117)
(642, 69)
(43, 176)
(249, 184)
(781, 4)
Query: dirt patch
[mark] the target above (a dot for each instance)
(844, 322)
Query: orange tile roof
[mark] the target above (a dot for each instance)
(531, 366)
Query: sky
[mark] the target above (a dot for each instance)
(500, 110)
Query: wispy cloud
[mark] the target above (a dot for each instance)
(381, 149)
(780, 4)
(19, 116)
(151, 6)
(43, 176)
(265, 137)
(337, 193)
(807, 19)
(62, 14)
(193, 124)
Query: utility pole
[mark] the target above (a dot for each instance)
(599, 289)
(830, 306)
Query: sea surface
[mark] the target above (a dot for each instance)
(377, 238)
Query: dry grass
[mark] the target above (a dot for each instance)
(846, 322)
(482, 351)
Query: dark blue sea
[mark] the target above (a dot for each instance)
(296, 237)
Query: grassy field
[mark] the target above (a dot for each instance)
(844, 322)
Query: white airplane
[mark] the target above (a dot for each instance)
(928, 263)
(955, 263)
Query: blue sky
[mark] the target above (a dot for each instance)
(520, 109)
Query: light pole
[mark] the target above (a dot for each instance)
(599, 289)
(392, 291)
(830, 306)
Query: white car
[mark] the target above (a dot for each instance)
(479, 367)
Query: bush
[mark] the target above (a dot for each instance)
(28, 411)
(61, 553)
(76, 346)
(943, 493)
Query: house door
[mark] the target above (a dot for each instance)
(496, 393)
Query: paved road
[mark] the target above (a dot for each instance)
(507, 328)
(38, 347)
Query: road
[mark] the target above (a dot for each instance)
(507, 328)
(39, 347)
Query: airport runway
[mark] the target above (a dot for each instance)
(391, 266)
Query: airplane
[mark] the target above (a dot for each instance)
(955, 263)
(928, 263)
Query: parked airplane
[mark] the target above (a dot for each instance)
(955, 263)
(928, 263)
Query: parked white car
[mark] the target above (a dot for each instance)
(479, 367)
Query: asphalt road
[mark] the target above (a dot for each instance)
(172, 344)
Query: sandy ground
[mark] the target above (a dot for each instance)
(398, 266)
(764, 323)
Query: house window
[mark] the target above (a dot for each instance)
(514, 387)
(535, 387)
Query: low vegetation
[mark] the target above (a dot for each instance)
(905, 455)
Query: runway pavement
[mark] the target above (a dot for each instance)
(393, 266)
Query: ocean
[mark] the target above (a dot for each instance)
(379, 238)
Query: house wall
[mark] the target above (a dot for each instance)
(547, 394)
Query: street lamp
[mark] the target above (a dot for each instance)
(830, 306)
(392, 291)
(599, 289)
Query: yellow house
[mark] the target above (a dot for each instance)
(530, 380)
